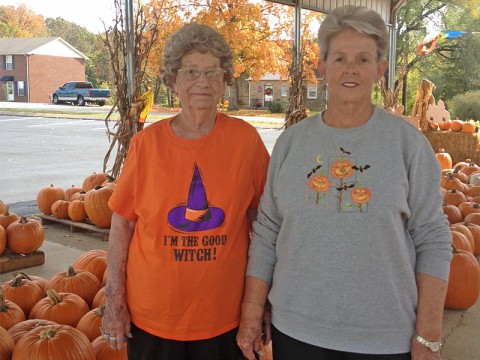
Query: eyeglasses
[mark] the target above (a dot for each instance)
(193, 74)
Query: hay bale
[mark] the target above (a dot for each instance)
(459, 145)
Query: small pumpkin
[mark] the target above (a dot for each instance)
(99, 298)
(18, 330)
(6, 344)
(96, 206)
(76, 210)
(91, 322)
(25, 236)
(463, 282)
(91, 181)
(47, 196)
(103, 350)
(93, 261)
(361, 195)
(80, 282)
(450, 182)
(10, 313)
(444, 159)
(461, 242)
(469, 126)
(23, 292)
(60, 209)
(454, 197)
(453, 213)
(62, 308)
(69, 192)
(54, 342)
(78, 196)
(6, 218)
(456, 125)
(341, 169)
(468, 207)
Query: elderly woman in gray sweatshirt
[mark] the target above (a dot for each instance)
(351, 247)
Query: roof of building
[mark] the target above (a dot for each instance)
(53, 46)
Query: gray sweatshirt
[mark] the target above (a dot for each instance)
(347, 218)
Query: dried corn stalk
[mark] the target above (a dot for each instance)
(296, 109)
(423, 99)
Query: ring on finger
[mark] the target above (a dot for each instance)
(112, 338)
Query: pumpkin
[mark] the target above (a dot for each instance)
(25, 236)
(319, 183)
(42, 282)
(3, 207)
(341, 169)
(360, 195)
(99, 298)
(91, 322)
(54, 342)
(450, 182)
(463, 281)
(469, 169)
(453, 213)
(47, 196)
(475, 231)
(6, 218)
(266, 350)
(444, 159)
(3, 239)
(60, 209)
(78, 196)
(62, 308)
(18, 330)
(80, 282)
(472, 218)
(10, 313)
(474, 179)
(473, 190)
(469, 126)
(6, 344)
(111, 181)
(456, 125)
(69, 192)
(461, 242)
(454, 197)
(469, 207)
(93, 261)
(96, 206)
(76, 210)
(103, 350)
(91, 181)
(23, 292)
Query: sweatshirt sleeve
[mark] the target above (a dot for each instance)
(428, 225)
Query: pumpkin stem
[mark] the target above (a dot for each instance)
(25, 276)
(100, 311)
(71, 272)
(98, 187)
(18, 280)
(3, 302)
(55, 298)
(23, 220)
(47, 334)
(6, 212)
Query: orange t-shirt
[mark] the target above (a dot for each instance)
(187, 258)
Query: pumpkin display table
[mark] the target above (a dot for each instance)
(10, 261)
(75, 226)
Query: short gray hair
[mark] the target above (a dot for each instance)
(358, 18)
(195, 37)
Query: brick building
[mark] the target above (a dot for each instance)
(32, 68)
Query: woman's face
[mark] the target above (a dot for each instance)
(351, 67)
(204, 92)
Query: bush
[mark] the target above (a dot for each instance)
(466, 106)
(277, 106)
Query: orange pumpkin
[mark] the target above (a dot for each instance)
(91, 322)
(454, 197)
(80, 282)
(360, 195)
(103, 350)
(91, 181)
(3, 207)
(54, 342)
(473, 218)
(6, 344)
(99, 298)
(450, 182)
(40, 281)
(78, 196)
(453, 213)
(76, 210)
(319, 183)
(463, 281)
(96, 206)
(475, 231)
(469, 126)
(93, 261)
(6, 218)
(460, 241)
(3, 239)
(469, 169)
(71, 191)
(444, 159)
(468, 207)
(62, 308)
(47, 196)
(341, 169)
(17, 331)
(25, 236)
(23, 292)
(60, 209)
(10, 313)
(456, 125)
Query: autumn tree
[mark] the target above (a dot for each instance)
(21, 22)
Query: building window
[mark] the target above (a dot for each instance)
(284, 90)
(8, 62)
(21, 88)
(312, 91)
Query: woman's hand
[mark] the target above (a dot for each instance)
(421, 352)
(116, 322)
(250, 331)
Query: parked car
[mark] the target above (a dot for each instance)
(80, 93)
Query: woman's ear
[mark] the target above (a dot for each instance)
(321, 67)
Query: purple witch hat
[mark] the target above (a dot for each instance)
(197, 215)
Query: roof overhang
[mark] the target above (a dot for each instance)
(6, 78)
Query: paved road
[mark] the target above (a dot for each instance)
(38, 151)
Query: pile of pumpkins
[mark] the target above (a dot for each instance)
(460, 186)
(57, 318)
(20, 234)
(79, 203)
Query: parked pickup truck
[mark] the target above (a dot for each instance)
(80, 93)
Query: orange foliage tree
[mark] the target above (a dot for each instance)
(21, 22)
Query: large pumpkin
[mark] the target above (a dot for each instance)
(80, 282)
(444, 159)
(47, 196)
(93, 261)
(96, 206)
(62, 308)
(76, 210)
(23, 292)
(25, 236)
(18, 330)
(54, 342)
(463, 281)
(6, 344)
(91, 181)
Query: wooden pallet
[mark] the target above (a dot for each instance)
(10, 261)
(75, 226)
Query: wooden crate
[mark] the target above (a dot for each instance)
(459, 145)
(74, 226)
(10, 261)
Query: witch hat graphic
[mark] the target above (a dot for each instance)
(197, 215)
